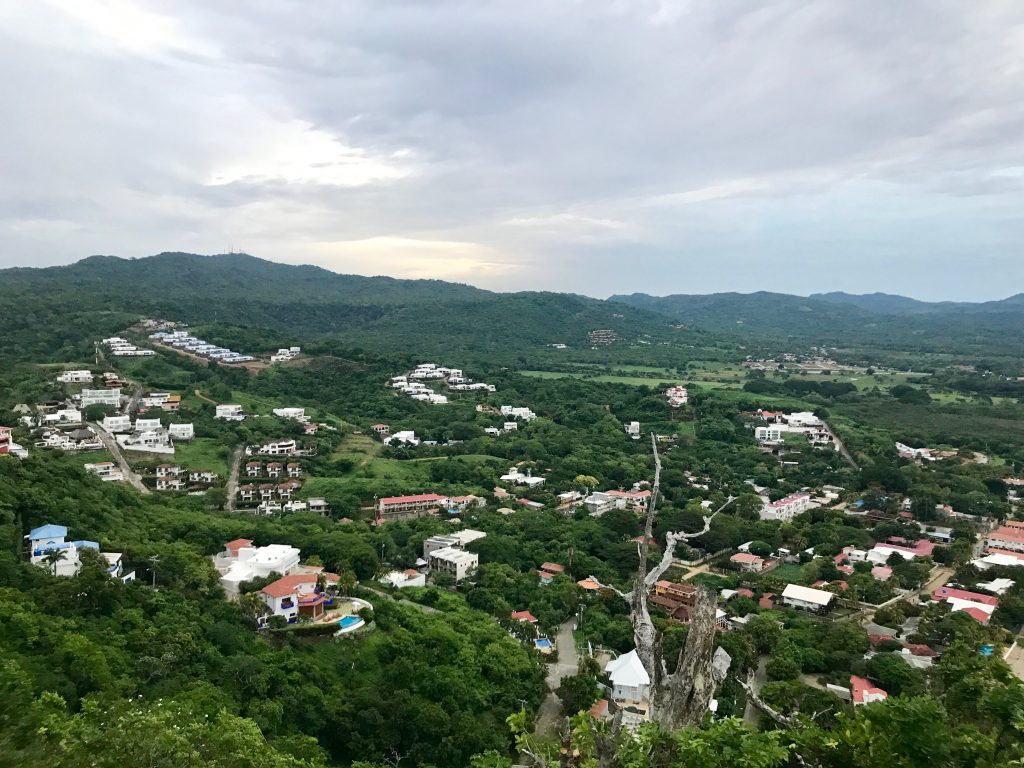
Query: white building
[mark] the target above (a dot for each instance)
(770, 434)
(518, 412)
(46, 540)
(241, 561)
(117, 423)
(406, 578)
(458, 562)
(75, 377)
(144, 425)
(229, 413)
(105, 470)
(110, 397)
(633, 429)
(516, 477)
(181, 431)
(630, 688)
(785, 509)
(598, 503)
(403, 438)
(806, 598)
(296, 414)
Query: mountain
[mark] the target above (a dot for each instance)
(842, 319)
(305, 303)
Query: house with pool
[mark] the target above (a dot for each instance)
(310, 595)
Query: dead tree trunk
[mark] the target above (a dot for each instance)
(680, 699)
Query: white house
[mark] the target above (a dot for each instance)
(229, 412)
(402, 579)
(241, 561)
(631, 688)
(458, 562)
(181, 431)
(598, 503)
(295, 414)
(105, 470)
(770, 434)
(110, 397)
(150, 441)
(144, 425)
(518, 412)
(516, 477)
(48, 539)
(62, 416)
(407, 437)
(806, 598)
(117, 423)
(785, 509)
(75, 377)
(633, 429)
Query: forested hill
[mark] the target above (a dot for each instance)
(846, 319)
(306, 302)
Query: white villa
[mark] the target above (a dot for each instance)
(229, 413)
(516, 477)
(241, 561)
(110, 397)
(75, 377)
(785, 509)
(47, 539)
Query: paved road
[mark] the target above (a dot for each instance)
(751, 714)
(567, 665)
(232, 486)
(840, 447)
(1015, 657)
(115, 450)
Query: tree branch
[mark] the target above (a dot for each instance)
(786, 721)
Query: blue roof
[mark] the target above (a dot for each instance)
(48, 531)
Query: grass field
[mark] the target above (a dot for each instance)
(607, 378)
(254, 403)
(791, 573)
(202, 453)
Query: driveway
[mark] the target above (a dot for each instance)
(549, 714)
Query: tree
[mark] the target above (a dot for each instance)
(577, 693)
(53, 557)
(680, 699)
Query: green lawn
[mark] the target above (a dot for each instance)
(636, 381)
(201, 453)
(791, 573)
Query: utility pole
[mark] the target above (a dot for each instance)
(154, 560)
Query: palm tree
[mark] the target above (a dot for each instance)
(54, 556)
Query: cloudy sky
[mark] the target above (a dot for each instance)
(595, 146)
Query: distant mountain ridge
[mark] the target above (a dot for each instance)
(310, 302)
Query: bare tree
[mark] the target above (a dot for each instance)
(680, 699)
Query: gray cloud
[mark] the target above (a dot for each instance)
(589, 146)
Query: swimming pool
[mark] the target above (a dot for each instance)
(543, 643)
(349, 621)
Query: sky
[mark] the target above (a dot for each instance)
(592, 146)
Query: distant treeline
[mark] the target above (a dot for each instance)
(799, 388)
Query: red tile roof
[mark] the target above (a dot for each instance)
(588, 584)
(977, 614)
(524, 616)
(552, 567)
(860, 687)
(944, 593)
(289, 585)
(237, 544)
(746, 558)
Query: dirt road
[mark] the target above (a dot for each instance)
(232, 486)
